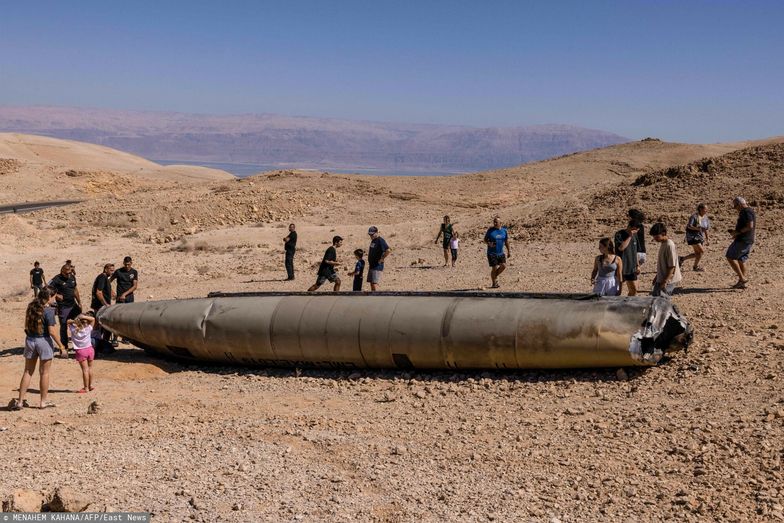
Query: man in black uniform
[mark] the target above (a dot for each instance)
(101, 297)
(290, 245)
(127, 281)
(326, 270)
(102, 289)
(69, 303)
(37, 279)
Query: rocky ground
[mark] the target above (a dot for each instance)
(698, 438)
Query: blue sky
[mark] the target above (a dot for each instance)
(695, 71)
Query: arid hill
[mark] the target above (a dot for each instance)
(38, 168)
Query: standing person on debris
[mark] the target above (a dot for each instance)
(496, 238)
(668, 272)
(638, 216)
(290, 246)
(359, 270)
(377, 253)
(743, 240)
(326, 271)
(627, 246)
(446, 230)
(697, 235)
(607, 270)
(69, 303)
(127, 281)
(37, 278)
(40, 331)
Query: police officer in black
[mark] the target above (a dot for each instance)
(290, 245)
(69, 303)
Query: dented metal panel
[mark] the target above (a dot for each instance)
(407, 330)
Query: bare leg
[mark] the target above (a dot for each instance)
(44, 371)
(494, 275)
(631, 285)
(337, 286)
(85, 374)
(743, 270)
(373, 287)
(446, 257)
(735, 264)
(27, 376)
(90, 370)
(313, 287)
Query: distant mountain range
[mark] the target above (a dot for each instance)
(304, 142)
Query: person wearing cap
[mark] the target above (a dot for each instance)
(326, 271)
(377, 253)
(668, 270)
(743, 240)
(496, 239)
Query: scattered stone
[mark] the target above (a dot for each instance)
(66, 499)
(93, 408)
(24, 500)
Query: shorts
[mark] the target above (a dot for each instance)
(630, 277)
(494, 260)
(85, 354)
(695, 242)
(739, 250)
(454, 254)
(38, 348)
(664, 292)
(128, 299)
(374, 276)
(323, 278)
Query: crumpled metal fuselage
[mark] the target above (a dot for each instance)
(451, 330)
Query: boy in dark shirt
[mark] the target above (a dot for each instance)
(37, 279)
(127, 281)
(359, 270)
(326, 270)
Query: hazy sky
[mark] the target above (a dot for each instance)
(697, 71)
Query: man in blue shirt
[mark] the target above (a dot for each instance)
(496, 238)
(377, 253)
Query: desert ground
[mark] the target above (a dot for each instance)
(698, 438)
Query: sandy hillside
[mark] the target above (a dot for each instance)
(698, 438)
(35, 168)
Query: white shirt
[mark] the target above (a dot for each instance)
(81, 338)
(453, 243)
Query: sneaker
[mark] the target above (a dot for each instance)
(14, 404)
(740, 285)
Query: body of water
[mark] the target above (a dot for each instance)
(242, 170)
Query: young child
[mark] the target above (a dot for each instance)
(359, 270)
(453, 246)
(81, 329)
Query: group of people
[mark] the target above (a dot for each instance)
(496, 238)
(59, 301)
(620, 258)
(377, 253)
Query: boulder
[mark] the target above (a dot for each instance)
(66, 499)
(24, 500)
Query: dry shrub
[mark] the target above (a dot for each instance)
(202, 269)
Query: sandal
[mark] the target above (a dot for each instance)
(14, 404)
(495, 286)
(740, 285)
(92, 389)
(699, 269)
(81, 391)
(47, 405)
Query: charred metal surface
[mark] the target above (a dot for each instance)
(420, 330)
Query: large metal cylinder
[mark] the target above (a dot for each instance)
(406, 330)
